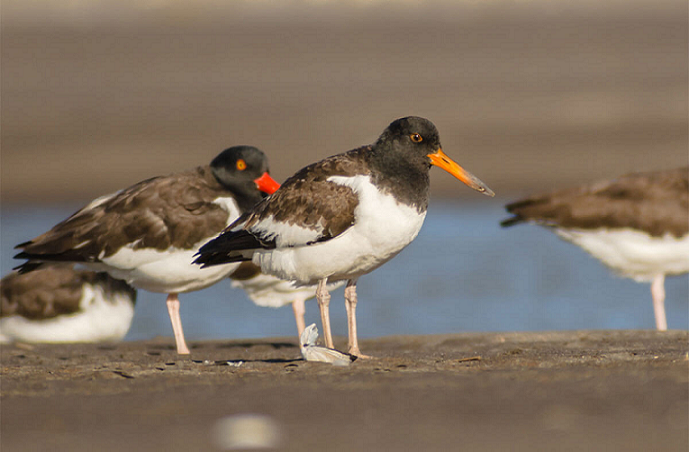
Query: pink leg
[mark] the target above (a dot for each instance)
(350, 304)
(173, 310)
(299, 311)
(323, 298)
(658, 294)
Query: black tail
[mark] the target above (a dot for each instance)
(507, 222)
(35, 260)
(513, 209)
(27, 267)
(520, 211)
(227, 248)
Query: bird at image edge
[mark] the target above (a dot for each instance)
(637, 225)
(57, 304)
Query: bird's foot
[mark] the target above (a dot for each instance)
(356, 352)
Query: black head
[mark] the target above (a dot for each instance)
(413, 135)
(244, 171)
(417, 141)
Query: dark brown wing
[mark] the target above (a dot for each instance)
(159, 213)
(656, 202)
(310, 202)
(306, 209)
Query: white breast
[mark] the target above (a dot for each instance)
(632, 253)
(382, 228)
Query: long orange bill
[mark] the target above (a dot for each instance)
(439, 159)
(266, 184)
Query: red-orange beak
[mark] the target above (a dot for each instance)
(266, 184)
(439, 159)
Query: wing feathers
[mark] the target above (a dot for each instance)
(175, 211)
(656, 202)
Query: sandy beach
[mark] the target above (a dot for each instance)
(583, 390)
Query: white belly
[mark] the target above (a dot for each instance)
(269, 291)
(383, 227)
(632, 253)
(98, 320)
(171, 270)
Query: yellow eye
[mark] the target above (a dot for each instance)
(416, 138)
(241, 165)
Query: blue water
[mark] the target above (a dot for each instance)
(462, 273)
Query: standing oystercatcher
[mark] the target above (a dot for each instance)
(342, 217)
(637, 225)
(148, 233)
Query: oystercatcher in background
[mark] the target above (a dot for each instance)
(637, 225)
(57, 303)
(342, 217)
(148, 233)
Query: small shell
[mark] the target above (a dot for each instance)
(311, 352)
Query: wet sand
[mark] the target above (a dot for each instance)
(583, 390)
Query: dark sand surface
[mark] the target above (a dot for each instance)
(584, 390)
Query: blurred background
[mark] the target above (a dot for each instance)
(530, 96)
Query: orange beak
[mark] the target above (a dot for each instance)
(439, 159)
(266, 184)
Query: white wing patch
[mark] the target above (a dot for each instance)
(286, 235)
(98, 201)
(82, 244)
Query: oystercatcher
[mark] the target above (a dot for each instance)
(147, 234)
(342, 217)
(57, 304)
(637, 225)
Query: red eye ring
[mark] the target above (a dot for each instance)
(241, 165)
(416, 138)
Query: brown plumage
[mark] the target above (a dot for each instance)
(637, 225)
(147, 234)
(245, 271)
(157, 213)
(308, 200)
(53, 291)
(655, 202)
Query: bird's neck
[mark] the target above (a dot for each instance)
(407, 179)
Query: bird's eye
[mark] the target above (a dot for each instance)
(241, 165)
(416, 138)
